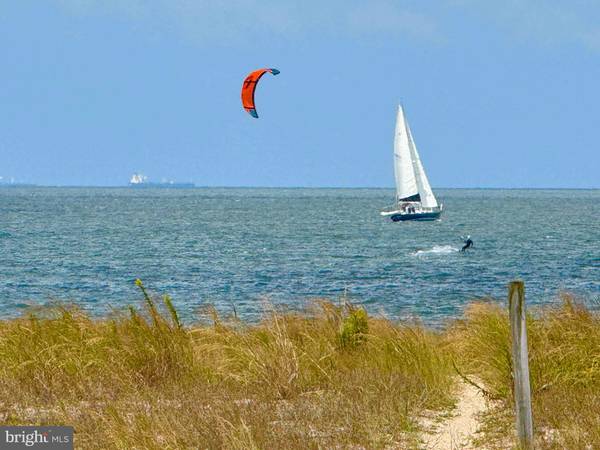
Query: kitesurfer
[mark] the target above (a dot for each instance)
(468, 243)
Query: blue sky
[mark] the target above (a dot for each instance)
(498, 94)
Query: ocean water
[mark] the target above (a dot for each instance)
(236, 248)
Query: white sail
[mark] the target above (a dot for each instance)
(406, 182)
(428, 200)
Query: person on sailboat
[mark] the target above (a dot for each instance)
(468, 243)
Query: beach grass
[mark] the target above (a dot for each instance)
(331, 376)
(564, 359)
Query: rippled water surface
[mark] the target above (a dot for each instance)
(239, 246)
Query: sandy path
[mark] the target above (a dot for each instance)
(456, 431)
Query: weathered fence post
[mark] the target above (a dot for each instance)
(518, 328)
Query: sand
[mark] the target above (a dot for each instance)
(457, 430)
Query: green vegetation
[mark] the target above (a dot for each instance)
(564, 359)
(330, 377)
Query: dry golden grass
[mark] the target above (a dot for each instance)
(332, 377)
(564, 354)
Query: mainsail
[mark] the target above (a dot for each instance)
(406, 181)
(411, 182)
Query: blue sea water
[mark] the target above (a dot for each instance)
(237, 247)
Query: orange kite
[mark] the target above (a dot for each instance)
(249, 87)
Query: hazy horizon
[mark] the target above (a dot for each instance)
(201, 186)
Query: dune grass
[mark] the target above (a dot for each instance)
(330, 377)
(564, 358)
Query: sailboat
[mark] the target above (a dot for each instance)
(414, 197)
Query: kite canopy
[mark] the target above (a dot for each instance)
(249, 87)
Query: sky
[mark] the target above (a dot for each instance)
(498, 94)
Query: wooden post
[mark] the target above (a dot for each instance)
(520, 361)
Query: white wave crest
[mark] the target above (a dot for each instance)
(436, 250)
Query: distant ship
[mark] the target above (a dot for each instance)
(140, 181)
